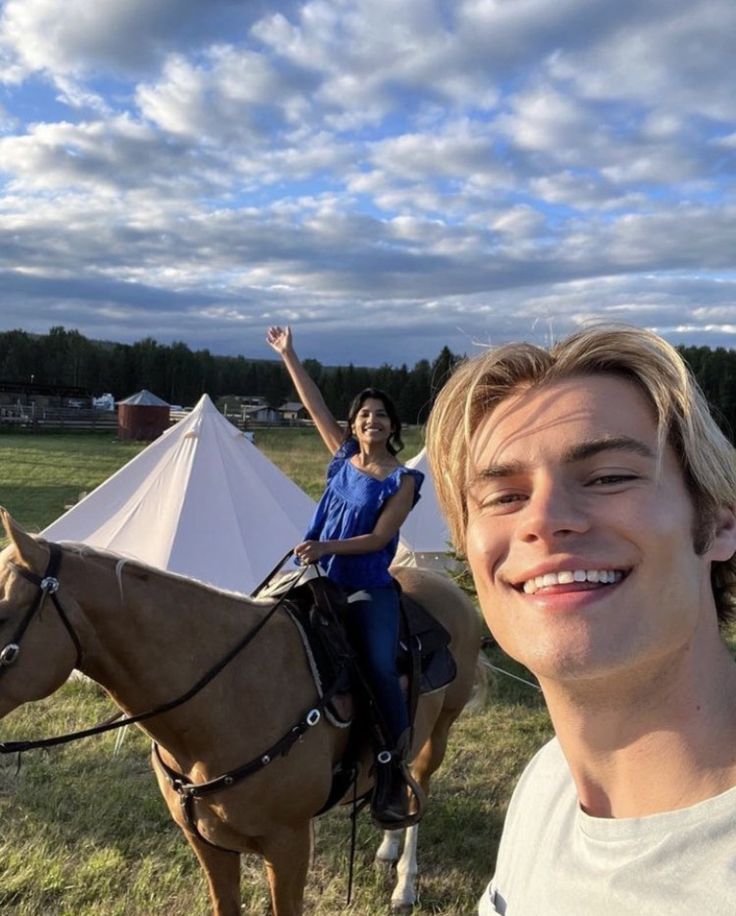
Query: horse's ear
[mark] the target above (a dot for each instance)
(34, 554)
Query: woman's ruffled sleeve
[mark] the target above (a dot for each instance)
(394, 482)
(344, 452)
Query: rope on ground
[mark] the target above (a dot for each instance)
(514, 676)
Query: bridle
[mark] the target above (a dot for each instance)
(48, 584)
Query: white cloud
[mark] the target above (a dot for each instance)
(459, 150)
(235, 96)
(102, 156)
(545, 120)
(677, 53)
(77, 37)
(519, 222)
(582, 190)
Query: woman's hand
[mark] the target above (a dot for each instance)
(309, 551)
(279, 339)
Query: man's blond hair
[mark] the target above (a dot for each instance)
(683, 419)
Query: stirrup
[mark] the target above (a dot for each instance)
(385, 819)
(386, 822)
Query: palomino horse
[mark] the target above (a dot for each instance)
(147, 636)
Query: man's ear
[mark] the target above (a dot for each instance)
(32, 553)
(723, 545)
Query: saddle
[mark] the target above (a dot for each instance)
(424, 661)
(317, 608)
(422, 635)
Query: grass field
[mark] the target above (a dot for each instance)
(41, 475)
(85, 831)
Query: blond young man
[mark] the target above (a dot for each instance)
(594, 496)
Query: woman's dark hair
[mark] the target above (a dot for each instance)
(394, 443)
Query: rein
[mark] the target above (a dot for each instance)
(49, 584)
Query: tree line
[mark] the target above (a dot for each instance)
(180, 375)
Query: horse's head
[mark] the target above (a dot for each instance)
(37, 651)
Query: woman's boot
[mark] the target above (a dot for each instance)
(390, 802)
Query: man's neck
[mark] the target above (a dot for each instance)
(656, 739)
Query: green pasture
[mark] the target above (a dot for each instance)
(40, 476)
(84, 829)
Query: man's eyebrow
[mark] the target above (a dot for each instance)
(578, 452)
(607, 444)
(494, 471)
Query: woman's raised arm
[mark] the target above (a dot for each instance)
(332, 434)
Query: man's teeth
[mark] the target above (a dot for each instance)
(566, 576)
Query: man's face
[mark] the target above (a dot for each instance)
(580, 535)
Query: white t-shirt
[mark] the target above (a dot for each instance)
(555, 860)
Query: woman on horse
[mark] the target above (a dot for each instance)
(353, 537)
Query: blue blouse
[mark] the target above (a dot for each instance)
(350, 506)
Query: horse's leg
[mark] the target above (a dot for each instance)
(405, 893)
(388, 852)
(424, 765)
(433, 750)
(286, 854)
(222, 869)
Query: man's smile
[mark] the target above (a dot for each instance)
(574, 577)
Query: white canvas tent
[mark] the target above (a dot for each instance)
(201, 500)
(425, 540)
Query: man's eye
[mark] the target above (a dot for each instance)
(613, 478)
(500, 500)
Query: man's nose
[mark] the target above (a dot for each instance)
(553, 510)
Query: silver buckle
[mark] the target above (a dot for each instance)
(9, 654)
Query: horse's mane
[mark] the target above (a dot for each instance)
(121, 562)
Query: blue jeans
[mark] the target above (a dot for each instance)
(373, 626)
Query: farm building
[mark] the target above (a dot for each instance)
(250, 410)
(16, 393)
(143, 416)
(38, 406)
(292, 412)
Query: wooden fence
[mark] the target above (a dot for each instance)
(69, 419)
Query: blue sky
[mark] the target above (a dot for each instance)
(386, 177)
